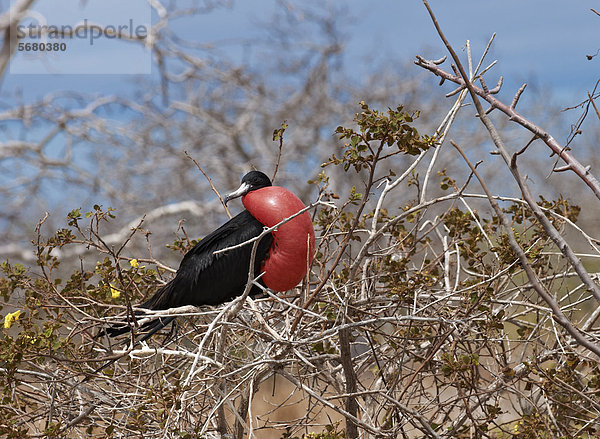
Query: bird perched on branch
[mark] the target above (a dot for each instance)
(207, 276)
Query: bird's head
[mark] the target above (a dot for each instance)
(251, 181)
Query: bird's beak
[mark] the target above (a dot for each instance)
(242, 190)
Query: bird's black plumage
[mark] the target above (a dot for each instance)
(206, 278)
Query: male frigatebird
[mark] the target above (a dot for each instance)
(208, 278)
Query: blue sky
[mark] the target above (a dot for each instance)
(543, 41)
(91, 51)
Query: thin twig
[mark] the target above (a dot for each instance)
(212, 186)
(533, 280)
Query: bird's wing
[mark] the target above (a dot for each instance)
(237, 230)
(206, 278)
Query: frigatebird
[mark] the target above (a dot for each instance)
(207, 277)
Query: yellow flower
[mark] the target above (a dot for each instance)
(517, 424)
(134, 263)
(10, 318)
(114, 292)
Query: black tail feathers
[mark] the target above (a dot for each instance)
(159, 301)
(146, 330)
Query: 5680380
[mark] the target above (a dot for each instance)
(42, 47)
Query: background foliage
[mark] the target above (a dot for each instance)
(427, 313)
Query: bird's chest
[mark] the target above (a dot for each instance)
(292, 250)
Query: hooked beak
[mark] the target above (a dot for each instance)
(242, 190)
